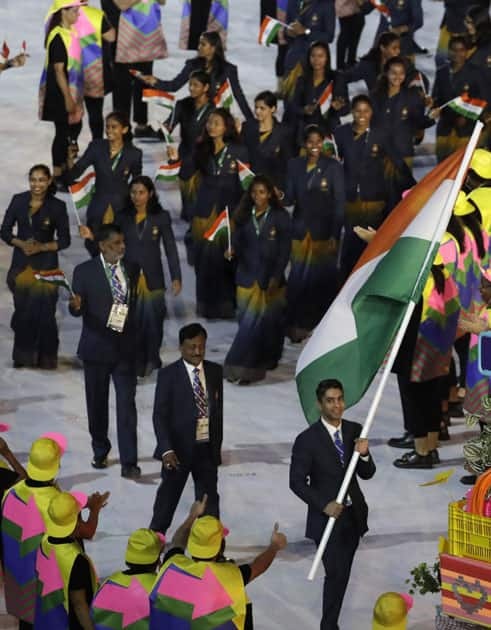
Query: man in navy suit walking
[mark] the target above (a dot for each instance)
(320, 456)
(104, 295)
(188, 424)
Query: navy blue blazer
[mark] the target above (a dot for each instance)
(51, 219)
(143, 246)
(175, 412)
(316, 475)
(217, 79)
(112, 187)
(99, 343)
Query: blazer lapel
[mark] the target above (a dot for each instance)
(102, 279)
(326, 440)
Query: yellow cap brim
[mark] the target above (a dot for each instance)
(42, 474)
(401, 625)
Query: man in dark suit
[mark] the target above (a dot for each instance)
(104, 294)
(188, 424)
(320, 456)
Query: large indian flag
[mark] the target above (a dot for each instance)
(352, 340)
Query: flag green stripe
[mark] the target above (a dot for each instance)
(82, 202)
(463, 111)
(378, 309)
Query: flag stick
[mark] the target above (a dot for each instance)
(228, 230)
(445, 215)
(334, 144)
(75, 211)
(447, 103)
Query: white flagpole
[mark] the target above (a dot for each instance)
(75, 211)
(445, 216)
(228, 230)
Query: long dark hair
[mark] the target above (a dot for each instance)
(456, 229)
(204, 144)
(51, 191)
(438, 277)
(153, 206)
(308, 71)
(480, 18)
(244, 210)
(54, 21)
(218, 61)
(471, 221)
(375, 54)
(382, 87)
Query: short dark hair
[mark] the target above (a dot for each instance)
(268, 97)
(361, 98)
(191, 331)
(328, 383)
(201, 76)
(310, 130)
(106, 230)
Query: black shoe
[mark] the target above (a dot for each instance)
(468, 480)
(99, 462)
(131, 472)
(146, 133)
(455, 409)
(414, 460)
(444, 435)
(435, 457)
(405, 441)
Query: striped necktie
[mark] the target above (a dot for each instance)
(119, 295)
(338, 443)
(199, 395)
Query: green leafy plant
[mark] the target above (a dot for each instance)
(424, 579)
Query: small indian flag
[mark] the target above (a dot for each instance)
(382, 8)
(468, 107)
(224, 97)
(325, 99)
(83, 190)
(418, 82)
(167, 136)
(269, 30)
(245, 175)
(168, 172)
(159, 97)
(221, 223)
(329, 146)
(54, 276)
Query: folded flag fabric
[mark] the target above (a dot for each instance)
(269, 30)
(54, 276)
(83, 189)
(245, 175)
(220, 224)
(382, 8)
(325, 99)
(354, 336)
(5, 52)
(168, 172)
(468, 107)
(329, 146)
(224, 97)
(159, 97)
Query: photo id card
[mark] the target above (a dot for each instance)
(117, 317)
(202, 430)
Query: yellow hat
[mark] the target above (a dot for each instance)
(206, 537)
(463, 206)
(64, 4)
(144, 546)
(390, 612)
(63, 511)
(481, 163)
(44, 460)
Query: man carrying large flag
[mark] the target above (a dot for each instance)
(365, 322)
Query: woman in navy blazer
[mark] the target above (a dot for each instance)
(116, 162)
(211, 58)
(36, 226)
(261, 245)
(146, 225)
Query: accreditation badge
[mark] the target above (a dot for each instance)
(117, 317)
(202, 430)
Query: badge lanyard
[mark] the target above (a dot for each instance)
(116, 160)
(218, 161)
(258, 223)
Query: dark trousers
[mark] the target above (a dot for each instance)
(127, 89)
(205, 477)
(351, 28)
(198, 23)
(97, 377)
(64, 134)
(94, 108)
(421, 405)
(337, 560)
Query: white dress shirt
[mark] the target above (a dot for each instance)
(119, 273)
